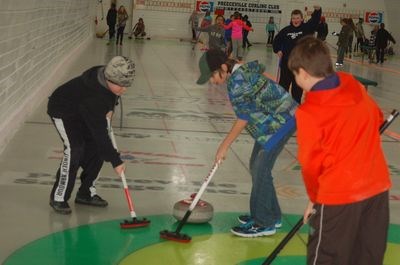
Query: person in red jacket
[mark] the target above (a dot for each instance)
(343, 165)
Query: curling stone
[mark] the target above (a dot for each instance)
(202, 213)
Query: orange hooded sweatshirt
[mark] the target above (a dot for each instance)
(339, 144)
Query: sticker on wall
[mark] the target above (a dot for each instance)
(204, 6)
(374, 17)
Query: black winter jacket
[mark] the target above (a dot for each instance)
(85, 99)
(382, 38)
(286, 39)
(112, 17)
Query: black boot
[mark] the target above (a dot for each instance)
(96, 200)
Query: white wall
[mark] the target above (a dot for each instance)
(37, 36)
(392, 9)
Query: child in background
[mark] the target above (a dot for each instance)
(237, 26)
(111, 21)
(228, 36)
(203, 37)
(371, 45)
(246, 42)
(122, 17)
(285, 41)
(342, 161)
(382, 38)
(270, 28)
(138, 30)
(350, 22)
(266, 111)
(322, 29)
(207, 20)
(216, 34)
(343, 41)
(194, 24)
(360, 35)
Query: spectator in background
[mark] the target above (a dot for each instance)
(138, 30)
(111, 21)
(203, 37)
(382, 38)
(246, 42)
(349, 49)
(270, 28)
(343, 41)
(216, 34)
(322, 29)
(286, 40)
(359, 35)
(194, 24)
(237, 26)
(122, 19)
(372, 38)
(207, 20)
(372, 45)
(228, 36)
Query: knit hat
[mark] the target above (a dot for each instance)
(209, 62)
(120, 71)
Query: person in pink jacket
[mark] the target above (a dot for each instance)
(237, 26)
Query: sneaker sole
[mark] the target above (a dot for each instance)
(276, 225)
(63, 212)
(269, 233)
(91, 204)
(60, 211)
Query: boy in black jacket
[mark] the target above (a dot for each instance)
(285, 41)
(78, 110)
(111, 21)
(381, 39)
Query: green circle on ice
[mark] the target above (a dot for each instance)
(212, 243)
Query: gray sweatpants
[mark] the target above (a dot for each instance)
(237, 48)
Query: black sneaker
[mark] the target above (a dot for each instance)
(96, 200)
(60, 207)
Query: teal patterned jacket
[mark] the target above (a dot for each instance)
(264, 104)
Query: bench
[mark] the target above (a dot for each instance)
(365, 82)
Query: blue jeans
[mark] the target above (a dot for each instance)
(264, 206)
(340, 53)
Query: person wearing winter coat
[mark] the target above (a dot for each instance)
(286, 40)
(79, 110)
(343, 41)
(381, 40)
(322, 29)
(111, 21)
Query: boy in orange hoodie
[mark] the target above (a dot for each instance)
(343, 165)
